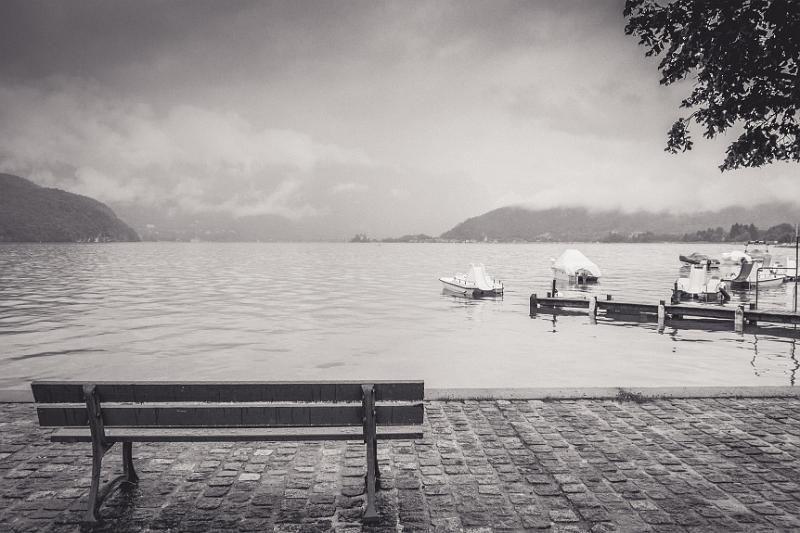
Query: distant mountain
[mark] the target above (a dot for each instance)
(30, 213)
(580, 224)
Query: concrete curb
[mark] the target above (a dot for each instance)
(557, 393)
(16, 395)
(612, 393)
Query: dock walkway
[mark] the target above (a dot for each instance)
(740, 315)
(490, 465)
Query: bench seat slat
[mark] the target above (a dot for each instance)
(126, 434)
(238, 391)
(232, 415)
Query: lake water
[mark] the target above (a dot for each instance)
(193, 311)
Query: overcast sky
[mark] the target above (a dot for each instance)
(386, 117)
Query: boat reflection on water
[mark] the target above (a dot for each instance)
(470, 299)
(472, 307)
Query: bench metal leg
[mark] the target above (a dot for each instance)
(375, 455)
(92, 512)
(98, 495)
(127, 463)
(371, 513)
(100, 447)
(370, 439)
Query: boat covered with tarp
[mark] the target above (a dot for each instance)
(695, 258)
(475, 283)
(575, 267)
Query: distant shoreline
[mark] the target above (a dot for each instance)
(438, 241)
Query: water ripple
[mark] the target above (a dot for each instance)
(346, 311)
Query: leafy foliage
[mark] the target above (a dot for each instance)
(742, 233)
(418, 237)
(744, 55)
(780, 233)
(360, 237)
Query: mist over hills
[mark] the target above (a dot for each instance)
(30, 213)
(506, 224)
(168, 223)
(517, 223)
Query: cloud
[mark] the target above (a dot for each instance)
(279, 202)
(75, 135)
(384, 117)
(669, 184)
(349, 186)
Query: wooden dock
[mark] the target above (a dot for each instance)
(662, 311)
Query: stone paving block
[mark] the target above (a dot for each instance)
(667, 465)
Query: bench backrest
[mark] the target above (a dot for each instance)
(229, 404)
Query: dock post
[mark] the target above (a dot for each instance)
(751, 321)
(593, 307)
(738, 319)
(662, 315)
(796, 262)
(755, 306)
(555, 291)
(534, 304)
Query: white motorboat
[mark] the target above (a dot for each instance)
(736, 257)
(757, 249)
(757, 272)
(475, 283)
(575, 267)
(791, 269)
(699, 287)
(753, 251)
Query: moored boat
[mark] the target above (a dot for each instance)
(756, 273)
(753, 251)
(735, 257)
(699, 287)
(758, 250)
(475, 283)
(791, 269)
(575, 267)
(695, 258)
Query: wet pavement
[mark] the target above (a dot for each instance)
(488, 465)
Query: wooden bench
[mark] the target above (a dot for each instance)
(105, 413)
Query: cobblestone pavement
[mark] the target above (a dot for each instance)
(594, 465)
